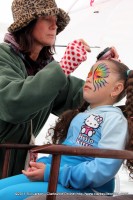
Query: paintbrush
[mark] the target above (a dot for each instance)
(66, 46)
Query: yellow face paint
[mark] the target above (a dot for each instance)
(90, 74)
(99, 75)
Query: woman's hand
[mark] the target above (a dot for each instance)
(109, 53)
(35, 172)
(114, 53)
(86, 46)
(75, 54)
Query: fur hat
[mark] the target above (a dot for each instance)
(24, 11)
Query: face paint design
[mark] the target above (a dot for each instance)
(100, 73)
(90, 74)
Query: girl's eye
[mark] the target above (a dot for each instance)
(99, 77)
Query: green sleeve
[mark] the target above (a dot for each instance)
(22, 96)
(70, 97)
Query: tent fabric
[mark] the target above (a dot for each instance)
(103, 23)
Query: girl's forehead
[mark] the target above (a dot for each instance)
(100, 63)
(103, 65)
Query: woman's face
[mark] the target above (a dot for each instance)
(44, 32)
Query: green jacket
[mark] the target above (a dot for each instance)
(24, 97)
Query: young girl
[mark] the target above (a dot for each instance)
(96, 123)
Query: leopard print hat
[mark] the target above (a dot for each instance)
(24, 11)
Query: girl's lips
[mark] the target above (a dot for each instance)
(87, 87)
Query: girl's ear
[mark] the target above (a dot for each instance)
(118, 88)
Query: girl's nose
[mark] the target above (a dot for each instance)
(88, 80)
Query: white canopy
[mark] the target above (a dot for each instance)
(105, 23)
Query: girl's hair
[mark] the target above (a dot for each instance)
(24, 38)
(63, 122)
(129, 113)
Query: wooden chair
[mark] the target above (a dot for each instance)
(58, 150)
(8, 148)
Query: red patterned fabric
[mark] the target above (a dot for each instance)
(74, 55)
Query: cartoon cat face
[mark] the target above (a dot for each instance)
(93, 121)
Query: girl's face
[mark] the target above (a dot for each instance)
(100, 84)
(44, 32)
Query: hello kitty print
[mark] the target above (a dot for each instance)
(88, 129)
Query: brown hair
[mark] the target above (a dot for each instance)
(63, 123)
(129, 113)
(25, 41)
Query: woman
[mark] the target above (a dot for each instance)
(33, 84)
